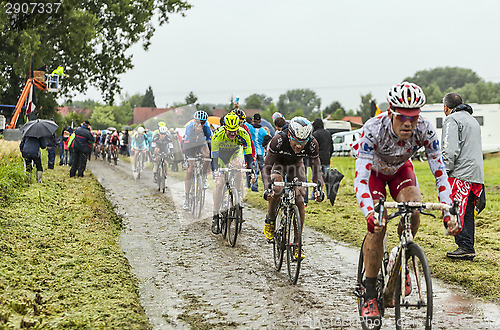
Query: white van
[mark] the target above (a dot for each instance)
(335, 126)
(343, 141)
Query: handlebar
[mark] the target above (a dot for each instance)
(295, 184)
(225, 169)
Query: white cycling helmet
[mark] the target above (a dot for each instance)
(406, 95)
(300, 127)
(163, 129)
(140, 130)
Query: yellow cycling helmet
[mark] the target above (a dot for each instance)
(161, 123)
(231, 122)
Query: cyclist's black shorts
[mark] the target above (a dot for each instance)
(291, 171)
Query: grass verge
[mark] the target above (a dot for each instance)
(344, 222)
(60, 261)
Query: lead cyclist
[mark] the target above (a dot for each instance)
(383, 158)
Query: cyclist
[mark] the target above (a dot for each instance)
(285, 157)
(114, 140)
(162, 142)
(383, 158)
(230, 145)
(197, 137)
(139, 144)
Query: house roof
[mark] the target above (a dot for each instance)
(64, 111)
(141, 114)
(353, 120)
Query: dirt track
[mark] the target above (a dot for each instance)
(189, 277)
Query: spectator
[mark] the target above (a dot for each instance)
(279, 123)
(325, 142)
(65, 156)
(30, 149)
(176, 149)
(463, 159)
(82, 147)
(257, 134)
(50, 142)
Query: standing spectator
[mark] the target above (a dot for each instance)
(463, 159)
(126, 141)
(257, 133)
(82, 147)
(176, 149)
(50, 142)
(279, 123)
(325, 142)
(65, 156)
(30, 149)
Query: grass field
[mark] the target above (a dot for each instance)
(60, 261)
(345, 222)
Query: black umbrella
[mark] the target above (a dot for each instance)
(127, 128)
(39, 128)
(332, 180)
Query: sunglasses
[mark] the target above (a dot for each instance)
(404, 118)
(201, 122)
(299, 141)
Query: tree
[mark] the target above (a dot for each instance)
(103, 117)
(445, 78)
(365, 107)
(481, 92)
(339, 114)
(433, 94)
(91, 38)
(258, 101)
(298, 99)
(332, 108)
(191, 98)
(149, 99)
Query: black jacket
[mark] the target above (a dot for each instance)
(30, 146)
(83, 140)
(325, 142)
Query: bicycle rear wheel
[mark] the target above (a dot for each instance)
(115, 156)
(416, 308)
(361, 290)
(232, 219)
(279, 240)
(294, 243)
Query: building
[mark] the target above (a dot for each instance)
(141, 114)
(64, 111)
(487, 115)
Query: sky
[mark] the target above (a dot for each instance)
(341, 49)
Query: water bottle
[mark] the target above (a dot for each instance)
(392, 259)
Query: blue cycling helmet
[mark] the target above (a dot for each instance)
(200, 115)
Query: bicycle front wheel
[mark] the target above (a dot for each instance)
(161, 177)
(414, 308)
(224, 212)
(198, 203)
(232, 219)
(293, 230)
(279, 240)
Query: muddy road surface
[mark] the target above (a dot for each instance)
(190, 278)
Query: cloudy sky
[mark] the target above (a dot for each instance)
(341, 49)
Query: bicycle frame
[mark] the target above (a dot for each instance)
(405, 211)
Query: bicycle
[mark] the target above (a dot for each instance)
(231, 209)
(139, 164)
(197, 192)
(112, 154)
(393, 276)
(288, 232)
(162, 171)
